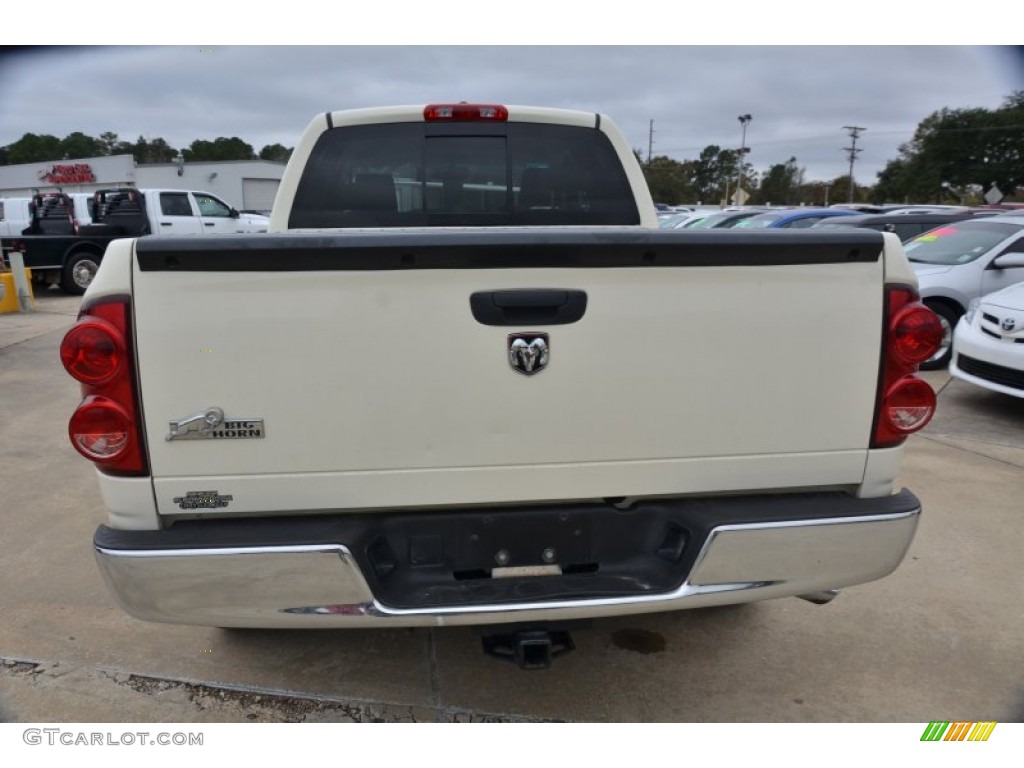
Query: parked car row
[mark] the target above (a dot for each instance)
(907, 222)
(906, 225)
(747, 217)
(961, 261)
(794, 218)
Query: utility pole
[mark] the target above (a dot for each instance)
(650, 141)
(744, 119)
(852, 149)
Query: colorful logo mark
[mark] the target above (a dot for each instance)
(935, 234)
(938, 731)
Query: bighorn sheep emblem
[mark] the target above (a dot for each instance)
(528, 352)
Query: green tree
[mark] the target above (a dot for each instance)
(669, 180)
(221, 148)
(108, 142)
(839, 191)
(77, 145)
(957, 149)
(111, 145)
(152, 151)
(32, 148)
(780, 185)
(714, 173)
(895, 183)
(817, 193)
(276, 152)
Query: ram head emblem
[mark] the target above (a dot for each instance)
(528, 353)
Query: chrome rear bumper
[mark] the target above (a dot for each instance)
(322, 585)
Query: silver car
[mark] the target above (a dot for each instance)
(961, 261)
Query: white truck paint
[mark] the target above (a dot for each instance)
(703, 432)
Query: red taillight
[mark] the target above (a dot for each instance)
(106, 427)
(908, 405)
(465, 112)
(93, 351)
(904, 403)
(916, 333)
(100, 429)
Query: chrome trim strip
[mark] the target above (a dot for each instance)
(341, 549)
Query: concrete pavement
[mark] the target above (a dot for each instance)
(940, 638)
(53, 310)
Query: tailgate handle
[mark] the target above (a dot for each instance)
(539, 306)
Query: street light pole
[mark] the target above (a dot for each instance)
(744, 119)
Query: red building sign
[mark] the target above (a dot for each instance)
(79, 173)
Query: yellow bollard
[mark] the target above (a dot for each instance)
(9, 292)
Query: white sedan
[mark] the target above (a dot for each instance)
(988, 345)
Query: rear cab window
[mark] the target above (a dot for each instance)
(462, 174)
(175, 204)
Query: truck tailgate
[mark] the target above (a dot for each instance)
(703, 361)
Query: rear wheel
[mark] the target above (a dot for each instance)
(949, 317)
(79, 272)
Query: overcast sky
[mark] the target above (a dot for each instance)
(799, 97)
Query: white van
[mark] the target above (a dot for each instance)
(14, 215)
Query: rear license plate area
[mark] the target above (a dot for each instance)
(514, 543)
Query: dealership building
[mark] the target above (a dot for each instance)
(248, 185)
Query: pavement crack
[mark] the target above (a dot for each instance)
(976, 452)
(211, 702)
(944, 386)
(19, 667)
(260, 706)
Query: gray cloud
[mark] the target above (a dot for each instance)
(800, 96)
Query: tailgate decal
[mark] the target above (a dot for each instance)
(211, 425)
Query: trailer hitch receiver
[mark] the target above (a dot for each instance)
(528, 649)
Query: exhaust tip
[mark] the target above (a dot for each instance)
(820, 598)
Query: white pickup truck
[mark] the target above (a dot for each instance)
(466, 380)
(187, 212)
